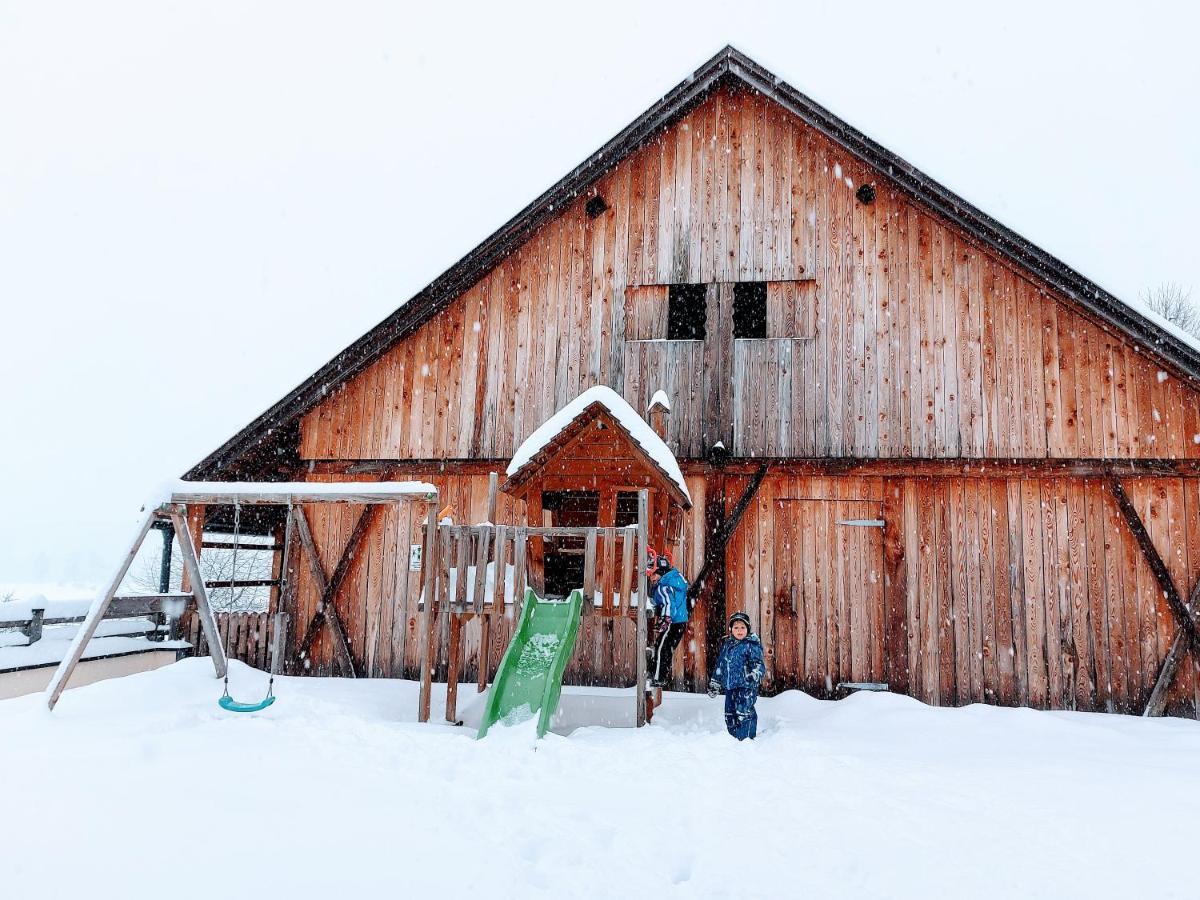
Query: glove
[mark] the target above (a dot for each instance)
(713, 689)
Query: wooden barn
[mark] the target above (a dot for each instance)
(915, 448)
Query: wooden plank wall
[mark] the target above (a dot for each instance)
(1012, 591)
(246, 636)
(1015, 591)
(925, 344)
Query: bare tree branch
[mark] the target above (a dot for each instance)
(1174, 303)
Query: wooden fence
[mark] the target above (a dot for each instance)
(245, 636)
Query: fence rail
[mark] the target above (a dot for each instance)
(142, 606)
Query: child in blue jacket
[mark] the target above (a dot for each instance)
(738, 673)
(670, 606)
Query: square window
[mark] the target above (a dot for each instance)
(687, 306)
(750, 309)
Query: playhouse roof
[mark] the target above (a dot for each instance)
(537, 449)
(728, 67)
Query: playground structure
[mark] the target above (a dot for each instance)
(178, 509)
(456, 589)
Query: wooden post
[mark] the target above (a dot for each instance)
(658, 416)
(640, 660)
(429, 566)
(164, 567)
(191, 565)
(279, 642)
(196, 514)
(520, 581)
(63, 673)
(33, 630)
(589, 572)
(493, 486)
(454, 667)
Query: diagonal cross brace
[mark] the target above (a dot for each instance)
(1185, 636)
(329, 586)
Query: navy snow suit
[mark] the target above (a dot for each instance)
(739, 671)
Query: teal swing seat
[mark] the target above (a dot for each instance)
(228, 703)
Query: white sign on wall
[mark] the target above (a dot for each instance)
(414, 558)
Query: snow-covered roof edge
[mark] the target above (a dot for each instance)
(306, 488)
(660, 398)
(625, 414)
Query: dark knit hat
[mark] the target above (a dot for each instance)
(740, 617)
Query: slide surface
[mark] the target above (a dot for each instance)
(529, 680)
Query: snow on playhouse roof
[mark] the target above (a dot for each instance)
(642, 434)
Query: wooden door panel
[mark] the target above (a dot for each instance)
(827, 589)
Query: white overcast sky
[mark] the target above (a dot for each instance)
(200, 203)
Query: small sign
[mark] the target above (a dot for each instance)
(414, 558)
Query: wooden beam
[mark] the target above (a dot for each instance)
(326, 607)
(63, 673)
(1185, 636)
(714, 547)
(191, 565)
(1162, 575)
(1166, 674)
(428, 594)
(640, 692)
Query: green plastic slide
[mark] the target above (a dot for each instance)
(529, 679)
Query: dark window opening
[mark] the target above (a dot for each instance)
(750, 309)
(686, 310)
(563, 566)
(627, 509)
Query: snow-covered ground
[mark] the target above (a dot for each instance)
(143, 787)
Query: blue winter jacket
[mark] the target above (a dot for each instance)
(740, 664)
(671, 593)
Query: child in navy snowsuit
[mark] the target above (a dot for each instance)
(738, 673)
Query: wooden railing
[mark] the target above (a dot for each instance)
(148, 606)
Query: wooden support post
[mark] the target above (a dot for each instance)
(626, 586)
(191, 565)
(33, 630)
(520, 578)
(483, 536)
(429, 566)
(63, 673)
(493, 486)
(164, 568)
(454, 667)
(643, 546)
(279, 642)
(589, 573)
(607, 571)
(491, 621)
(460, 567)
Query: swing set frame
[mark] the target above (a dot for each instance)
(176, 511)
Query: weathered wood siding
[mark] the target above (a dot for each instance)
(924, 344)
(1028, 591)
(1008, 590)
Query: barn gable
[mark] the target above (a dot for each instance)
(932, 330)
(886, 332)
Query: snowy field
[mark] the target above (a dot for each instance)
(143, 788)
